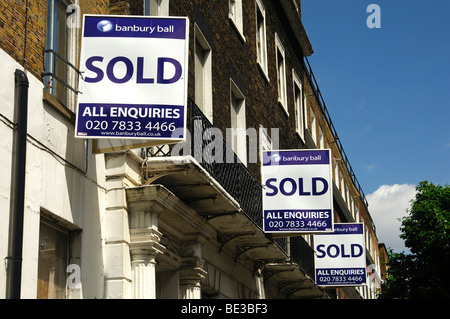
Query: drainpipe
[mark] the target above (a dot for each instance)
(14, 259)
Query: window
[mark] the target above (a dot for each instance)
(203, 74)
(352, 207)
(156, 7)
(52, 261)
(321, 139)
(261, 45)
(313, 127)
(342, 186)
(61, 52)
(235, 14)
(238, 123)
(336, 172)
(299, 106)
(366, 237)
(281, 73)
(347, 195)
(265, 140)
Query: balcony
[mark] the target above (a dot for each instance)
(226, 195)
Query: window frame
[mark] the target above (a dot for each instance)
(265, 142)
(61, 273)
(72, 251)
(261, 38)
(299, 105)
(321, 138)
(238, 123)
(313, 127)
(70, 76)
(236, 16)
(203, 95)
(161, 7)
(281, 73)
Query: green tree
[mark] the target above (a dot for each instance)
(424, 272)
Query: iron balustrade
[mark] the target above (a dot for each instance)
(229, 172)
(303, 254)
(235, 178)
(52, 72)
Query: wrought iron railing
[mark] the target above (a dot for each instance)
(303, 254)
(230, 172)
(235, 178)
(53, 56)
(320, 100)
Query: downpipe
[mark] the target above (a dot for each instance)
(14, 258)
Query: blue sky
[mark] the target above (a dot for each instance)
(387, 90)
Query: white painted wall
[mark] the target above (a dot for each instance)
(54, 181)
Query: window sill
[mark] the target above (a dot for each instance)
(237, 29)
(301, 136)
(52, 101)
(266, 76)
(283, 107)
(309, 139)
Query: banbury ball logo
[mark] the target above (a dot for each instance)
(104, 26)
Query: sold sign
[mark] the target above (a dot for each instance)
(134, 83)
(340, 258)
(297, 191)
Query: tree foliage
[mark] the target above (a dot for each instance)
(424, 272)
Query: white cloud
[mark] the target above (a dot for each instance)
(386, 205)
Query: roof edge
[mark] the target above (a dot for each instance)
(297, 26)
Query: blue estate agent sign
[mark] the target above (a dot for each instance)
(297, 191)
(340, 258)
(134, 83)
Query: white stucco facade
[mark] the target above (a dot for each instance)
(63, 178)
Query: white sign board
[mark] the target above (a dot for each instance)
(297, 191)
(340, 257)
(134, 80)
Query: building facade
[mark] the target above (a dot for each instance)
(168, 221)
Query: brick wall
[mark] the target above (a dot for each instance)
(21, 37)
(12, 17)
(232, 57)
(236, 59)
(23, 30)
(95, 6)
